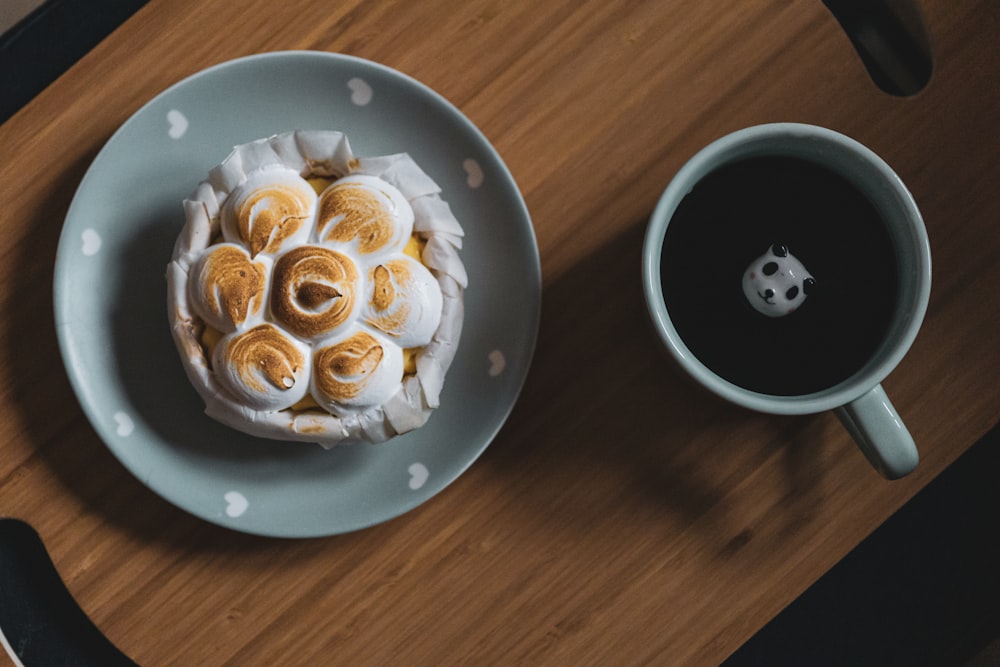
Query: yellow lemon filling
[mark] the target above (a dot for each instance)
(415, 247)
(307, 403)
(319, 183)
(209, 339)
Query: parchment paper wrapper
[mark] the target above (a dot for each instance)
(328, 154)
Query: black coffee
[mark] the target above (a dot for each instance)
(731, 218)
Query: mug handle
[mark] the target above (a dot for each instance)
(880, 434)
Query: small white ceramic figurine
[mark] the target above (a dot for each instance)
(776, 283)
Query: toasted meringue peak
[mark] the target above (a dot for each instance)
(356, 371)
(314, 291)
(366, 213)
(403, 301)
(228, 288)
(270, 211)
(263, 368)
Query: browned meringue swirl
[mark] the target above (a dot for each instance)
(341, 371)
(364, 216)
(314, 290)
(231, 285)
(269, 215)
(264, 353)
(388, 313)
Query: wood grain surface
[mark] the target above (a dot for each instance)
(620, 517)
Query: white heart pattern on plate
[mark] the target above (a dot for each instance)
(178, 124)
(236, 504)
(418, 475)
(91, 242)
(498, 362)
(473, 173)
(125, 424)
(361, 92)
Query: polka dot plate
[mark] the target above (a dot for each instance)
(110, 303)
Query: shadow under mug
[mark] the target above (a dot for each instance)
(859, 401)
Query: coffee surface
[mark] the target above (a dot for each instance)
(733, 216)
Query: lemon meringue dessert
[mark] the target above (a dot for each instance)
(314, 295)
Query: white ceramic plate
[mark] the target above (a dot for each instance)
(110, 304)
